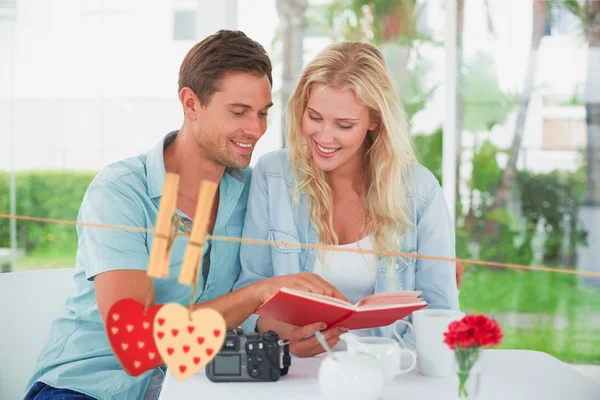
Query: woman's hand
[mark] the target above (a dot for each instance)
(301, 345)
(305, 281)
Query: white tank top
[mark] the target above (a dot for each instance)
(353, 274)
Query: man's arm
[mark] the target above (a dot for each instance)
(113, 286)
(117, 259)
(235, 307)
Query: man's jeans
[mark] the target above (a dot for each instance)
(41, 391)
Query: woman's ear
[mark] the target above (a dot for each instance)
(373, 121)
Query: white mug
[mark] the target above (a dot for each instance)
(434, 357)
(386, 350)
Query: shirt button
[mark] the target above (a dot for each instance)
(397, 266)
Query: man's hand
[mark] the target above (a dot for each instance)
(304, 281)
(460, 270)
(300, 344)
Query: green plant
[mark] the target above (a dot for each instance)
(485, 104)
(44, 194)
(392, 25)
(555, 208)
(378, 21)
(428, 148)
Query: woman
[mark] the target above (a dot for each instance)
(349, 178)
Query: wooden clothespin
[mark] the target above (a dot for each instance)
(193, 253)
(166, 229)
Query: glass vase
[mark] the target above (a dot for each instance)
(467, 364)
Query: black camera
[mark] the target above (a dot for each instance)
(250, 357)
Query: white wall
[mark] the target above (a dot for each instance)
(96, 81)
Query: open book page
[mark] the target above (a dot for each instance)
(301, 308)
(319, 297)
(383, 300)
(378, 316)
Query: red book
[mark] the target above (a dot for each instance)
(302, 308)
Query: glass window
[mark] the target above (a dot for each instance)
(184, 25)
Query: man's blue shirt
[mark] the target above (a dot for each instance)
(127, 193)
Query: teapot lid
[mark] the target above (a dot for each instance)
(352, 356)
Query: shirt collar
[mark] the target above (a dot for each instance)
(156, 172)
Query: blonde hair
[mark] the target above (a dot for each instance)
(389, 157)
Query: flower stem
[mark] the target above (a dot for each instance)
(462, 387)
(466, 357)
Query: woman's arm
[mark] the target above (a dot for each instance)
(435, 237)
(257, 265)
(255, 259)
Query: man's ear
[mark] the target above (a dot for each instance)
(189, 101)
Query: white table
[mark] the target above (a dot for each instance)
(507, 374)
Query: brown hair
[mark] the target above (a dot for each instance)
(205, 64)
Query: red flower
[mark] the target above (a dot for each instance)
(473, 330)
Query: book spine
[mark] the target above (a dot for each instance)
(339, 321)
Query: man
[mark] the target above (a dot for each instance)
(225, 92)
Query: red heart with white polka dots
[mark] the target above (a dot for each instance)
(130, 334)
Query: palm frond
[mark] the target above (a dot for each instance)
(574, 7)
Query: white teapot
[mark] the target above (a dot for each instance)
(351, 376)
(385, 350)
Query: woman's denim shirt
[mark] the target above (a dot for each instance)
(272, 215)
